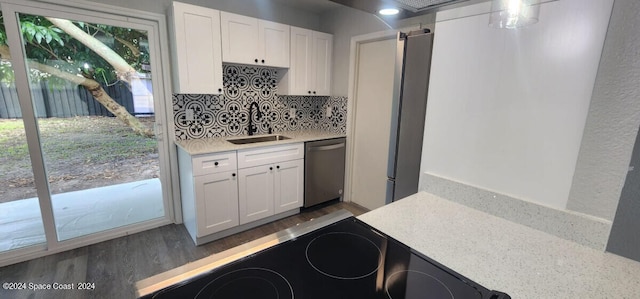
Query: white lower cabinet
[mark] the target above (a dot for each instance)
(274, 186)
(288, 185)
(217, 202)
(228, 192)
(255, 196)
(270, 189)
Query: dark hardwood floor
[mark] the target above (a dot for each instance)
(116, 265)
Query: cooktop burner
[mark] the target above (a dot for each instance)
(343, 259)
(411, 284)
(248, 283)
(343, 255)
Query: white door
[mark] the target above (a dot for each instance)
(289, 184)
(301, 61)
(239, 38)
(274, 44)
(255, 193)
(322, 47)
(373, 95)
(77, 189)
(198, 49)
(217, 202)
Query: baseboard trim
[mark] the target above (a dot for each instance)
(241, 228)
(573, 226)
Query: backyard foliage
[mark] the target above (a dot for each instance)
(85, 54)
(81, 153)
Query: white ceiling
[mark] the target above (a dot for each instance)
(410, 7)
(314, 6)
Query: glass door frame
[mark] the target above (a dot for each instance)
(155, 25)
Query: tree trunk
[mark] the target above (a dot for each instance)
(100, 95)
(96, 91)
(123, 69)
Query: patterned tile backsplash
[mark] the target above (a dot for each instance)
(228, 114)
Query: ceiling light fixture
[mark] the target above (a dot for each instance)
(512, 14)
(389, 11)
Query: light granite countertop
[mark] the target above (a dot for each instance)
(505, 256)
(216, 145)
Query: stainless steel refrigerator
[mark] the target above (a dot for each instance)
(409, 108)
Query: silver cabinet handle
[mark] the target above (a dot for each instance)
(326, 147)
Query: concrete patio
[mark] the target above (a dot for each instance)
(81, 212)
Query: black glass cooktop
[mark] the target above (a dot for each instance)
(347, 259)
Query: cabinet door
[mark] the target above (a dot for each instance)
(274, 44)
(289, 184)
(239, 38)
(196, 32)
(299, 73)
(216, 202)
(255, 193)
(322, 49)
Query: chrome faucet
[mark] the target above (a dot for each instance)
(253, 128)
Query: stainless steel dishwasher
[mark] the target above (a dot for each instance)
(323, 170)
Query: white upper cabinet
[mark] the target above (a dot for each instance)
(310, 69)
(322, 49)
(196, 49)
(247, 40)
(240, 38)
(203, 38)
(298, 79)
(274, 43)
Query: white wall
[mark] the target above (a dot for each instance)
(345, 23)
(507, 109)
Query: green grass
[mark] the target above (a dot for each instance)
(73, 142)
(15, 154)
(10, 125)
(9, 129)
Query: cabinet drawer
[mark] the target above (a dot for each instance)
(214, 163)
(269, 155)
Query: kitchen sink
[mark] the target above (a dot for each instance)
(257, 139)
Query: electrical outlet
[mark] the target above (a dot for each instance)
(329, 111)
(189, 115)
(292, 112)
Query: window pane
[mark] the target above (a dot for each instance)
(91, 85)
(20, 218)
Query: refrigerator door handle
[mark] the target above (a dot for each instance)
(391, 184)
(396, 105)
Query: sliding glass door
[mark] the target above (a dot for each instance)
(20, 219)
(102, 161)
(88, 90)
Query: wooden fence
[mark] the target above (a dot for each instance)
(67, 101)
